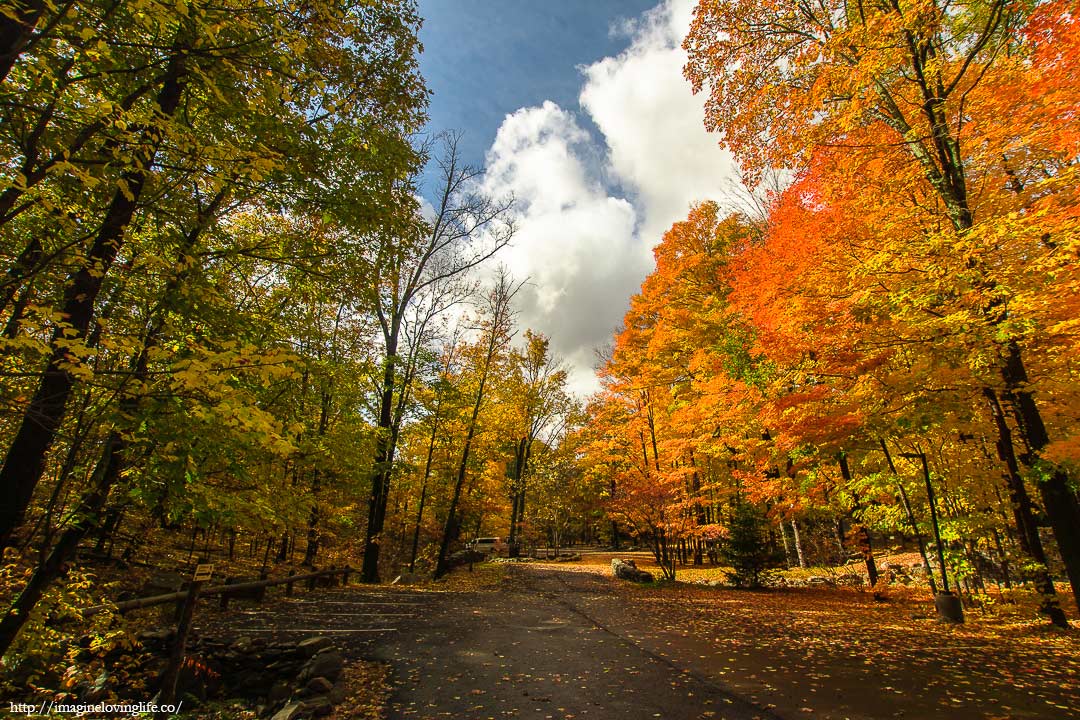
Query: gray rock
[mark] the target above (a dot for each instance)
(279, 693)
(281, 667)
(627, 570)
(337, 694)
(292, 711)
(252, 683)
(317, 686)
(156, 639)
(327, 664)
(161, 583)
(309, 647)
(318, 707)
(242, 644)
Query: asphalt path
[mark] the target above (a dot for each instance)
(541, 646)
(559, 642)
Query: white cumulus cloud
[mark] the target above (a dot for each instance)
(653, 125)
(591, 209)
(575, 242)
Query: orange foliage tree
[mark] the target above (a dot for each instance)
(937, 172)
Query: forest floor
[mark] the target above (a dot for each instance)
(566, 640)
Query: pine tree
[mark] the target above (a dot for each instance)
(747, 548)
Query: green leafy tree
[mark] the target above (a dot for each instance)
(139, 134)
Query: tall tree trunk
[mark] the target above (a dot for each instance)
(384, 461)
(500, 300)
(1004, 558)
(450, 530)
(521, 509)
(911, 517)
(699, 510)
(283, 548)
(1058, 498)
(424, 487)
(866, 549)
(16, 294)
(798, 543)
(312, 549)
(1026, 528)
(788, 557)
(419, 521)
(516, 480)
(16, 28)
(939, 544)
(24, 463)
(614, 524)
(85, 518)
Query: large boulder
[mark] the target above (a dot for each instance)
(628, 570)
(317, 686)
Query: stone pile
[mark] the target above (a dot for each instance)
(281, 680)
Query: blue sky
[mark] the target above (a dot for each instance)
(484, 59)
(579, 109)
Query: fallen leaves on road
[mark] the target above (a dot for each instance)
(368, 691)
(837, 652)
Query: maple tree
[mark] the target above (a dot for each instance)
(679, 347)
(904, 96)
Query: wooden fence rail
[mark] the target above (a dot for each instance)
(224, 590)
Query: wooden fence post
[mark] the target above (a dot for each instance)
(167, 694)
(225, 594)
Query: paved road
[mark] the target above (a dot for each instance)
(540, 645)
(551, 642)
(533, 649)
